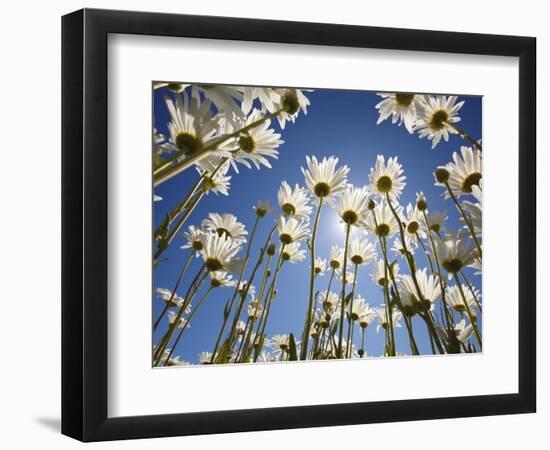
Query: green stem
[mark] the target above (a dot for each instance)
(389, 312)
(465, 217)
(175, 212)
(468, 311)
(188, 298)
(465, 136)
(448, 315)
(167, 173)
(350, 328)
(343, 296)
(412, 267)
(270, 291)
(305, 335)
(472, 290)
(191, 314)
(168, 303)
(242, 300)
(178, 226)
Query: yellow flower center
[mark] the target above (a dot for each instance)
(321, 189)
(404, 99)
(384, 184)
(453, 265)
(247, 143)
(357, 259)
(290, 102)
(187, 143)
(288, 209)
(213, 264)
(412, 227)
(382, 229)
(438, 120)
(350, 217)
(285, 238)
(469, 181)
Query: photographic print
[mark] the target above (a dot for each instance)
(297, 224)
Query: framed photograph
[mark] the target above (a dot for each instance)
(274, 225)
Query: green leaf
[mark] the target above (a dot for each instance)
(222, 354)
(159, 262)
(292, 355)
(226, 311)
(347, 299)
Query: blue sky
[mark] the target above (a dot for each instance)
(340, 123)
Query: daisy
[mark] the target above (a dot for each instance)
(436, 221)
(257, 144)
(219, 253)
(323, 179)
(329, 301)
(475, 210)
(226, 98)
(191, 125)
(219, 278)
(262, 209)
(168, 297)
(172, 362)
(227, 225)
(194, 238)
(382, 222)
(336, 258)
(379, 273)
(322, 318)
(421, 202)
(268, 98)
(429, 288)
(464, 171)
(205, 357)
(172, 316)
(366, 317)
(454, 299)
(436, 116)
(292, 253)
(410, 242)
(240, 327)
(387, 179)
(463, 332)
(280, 342)
(401, 107)
(266, 357)
(292, 101)
(294, 202)
(349, 276)
(361, 251)
(359, 308)
(353, 206)
(455, 251)
(320, 266)
(254, 309)
(413, 222)
(476, 265)
(244, 289)
(291, 230)
(174, 87)
(383, 321)
(219, 183)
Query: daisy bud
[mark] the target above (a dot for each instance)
(371, 205)
(271, 249)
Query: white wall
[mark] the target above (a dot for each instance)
(30, 225)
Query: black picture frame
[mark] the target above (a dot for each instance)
(84, 224)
